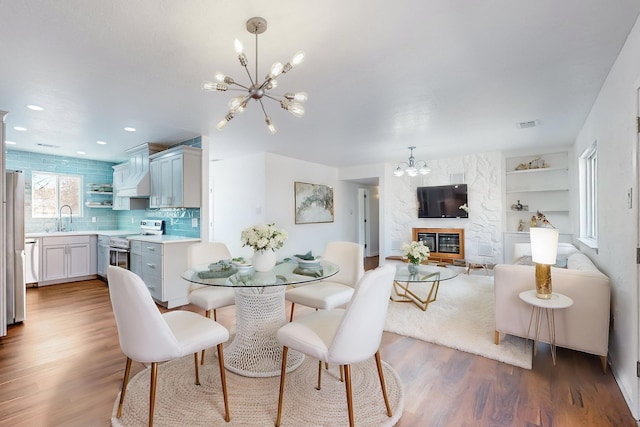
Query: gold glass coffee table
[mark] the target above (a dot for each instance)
(421, 288)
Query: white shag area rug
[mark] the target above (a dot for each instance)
(254, 401)
(462, 317)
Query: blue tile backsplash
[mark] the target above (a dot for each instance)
(177, 221)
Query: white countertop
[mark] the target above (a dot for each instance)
(163, 238)
(80, 233)
(130, 234)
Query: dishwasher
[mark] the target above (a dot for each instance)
(31, 264)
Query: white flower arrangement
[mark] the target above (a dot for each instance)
(464, 208)
(263, 237)
(416, 252)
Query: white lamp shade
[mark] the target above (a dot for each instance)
(544, 245)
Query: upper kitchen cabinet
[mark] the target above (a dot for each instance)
(176, 178)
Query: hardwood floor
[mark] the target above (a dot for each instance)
(63, 367)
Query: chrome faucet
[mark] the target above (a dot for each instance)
(60, 226)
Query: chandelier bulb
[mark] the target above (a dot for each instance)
(222, 123)
(293, 107)
(213, 87)
(271, 84)
(276, 70)
(237, 45)
(297, 58)
(223, 79)
(270, 125)
(243, 60)
(398, 172)
(237, 104)
(298, 96)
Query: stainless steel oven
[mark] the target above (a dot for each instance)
(119, 252)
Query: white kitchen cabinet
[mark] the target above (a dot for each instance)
(160, 266)
(68, 259)
(176, 178)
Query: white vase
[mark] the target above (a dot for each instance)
(264, 260)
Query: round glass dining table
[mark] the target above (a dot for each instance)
(260, 310)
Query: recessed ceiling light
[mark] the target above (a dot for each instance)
(101, 142)
(35, 107)
(20, 128)
(81, 152)
(130, 129)
(10, 143)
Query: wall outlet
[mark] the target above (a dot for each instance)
(94, 219)
(194, 222)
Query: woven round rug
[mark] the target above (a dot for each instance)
(254, 401)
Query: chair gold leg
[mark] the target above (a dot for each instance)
(603, 359)
(347, 374)
(382, 385)
(125, 381)
(319, 374)
(496, 337)
(215, 315)
(152, 391)
(282, 374)
(341, 374)
(293, 305)
(223, 380)
(195, 358)
(208, 314)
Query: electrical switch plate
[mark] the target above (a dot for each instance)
(194, 222)
(94, 219)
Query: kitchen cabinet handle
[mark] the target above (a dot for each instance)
(151, 249)
(151, 265)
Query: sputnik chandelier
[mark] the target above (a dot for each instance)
(289, 101)
(413, 167)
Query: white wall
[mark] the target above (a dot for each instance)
(259, 189)
(612, 123)
(482, 174)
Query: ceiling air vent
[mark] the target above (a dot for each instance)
(48, 145)
(526, 125)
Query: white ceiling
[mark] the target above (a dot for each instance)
(448, 76)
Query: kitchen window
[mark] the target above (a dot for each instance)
(50, 191)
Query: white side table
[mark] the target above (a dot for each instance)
(548, 306)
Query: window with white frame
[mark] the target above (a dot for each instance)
(50, 191)
(588, 170)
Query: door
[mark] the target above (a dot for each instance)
(364, 227)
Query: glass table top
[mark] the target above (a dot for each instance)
(426, 273)
(284, 273)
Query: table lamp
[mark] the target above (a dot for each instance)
(544, 248)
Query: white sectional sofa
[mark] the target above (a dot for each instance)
(584, 326)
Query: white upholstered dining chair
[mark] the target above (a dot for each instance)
(209, 298)
(343, 336)
(336, 290)
(148, 336)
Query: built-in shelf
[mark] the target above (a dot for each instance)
(536, 170)
(544, 189)
(100, 196)
(98, 205)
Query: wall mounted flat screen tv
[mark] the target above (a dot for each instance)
(442, 201)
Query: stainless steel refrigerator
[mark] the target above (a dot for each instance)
(14, 217)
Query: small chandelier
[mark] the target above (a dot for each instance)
(289, 101)
(412, 168)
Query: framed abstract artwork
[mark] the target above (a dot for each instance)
(313, 203)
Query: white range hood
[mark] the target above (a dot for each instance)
(138, 182)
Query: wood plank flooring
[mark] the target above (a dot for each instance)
(64, 367)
